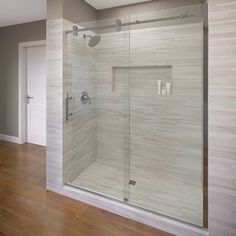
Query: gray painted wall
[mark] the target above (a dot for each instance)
(54, 9)
(78, 11)
(9, 39)
(72, 10)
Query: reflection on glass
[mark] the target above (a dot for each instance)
(136, 134)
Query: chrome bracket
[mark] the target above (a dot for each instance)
(132, 182)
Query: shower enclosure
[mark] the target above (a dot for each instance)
(135, 125)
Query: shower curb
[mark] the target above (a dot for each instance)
(157, 221)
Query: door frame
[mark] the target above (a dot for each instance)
(22, 87)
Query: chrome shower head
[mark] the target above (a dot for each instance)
(94, 40)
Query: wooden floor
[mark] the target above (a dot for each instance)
(26, 208)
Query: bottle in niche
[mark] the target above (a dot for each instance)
(168, 87)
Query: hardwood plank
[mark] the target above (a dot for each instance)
(26, 208)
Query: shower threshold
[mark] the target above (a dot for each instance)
(106, 178)
(133, 212)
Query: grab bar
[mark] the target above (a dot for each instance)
(67, 106)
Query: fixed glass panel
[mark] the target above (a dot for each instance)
(98, 58)
(166, 113)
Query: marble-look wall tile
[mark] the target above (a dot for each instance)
(80, 131)
(54, 102)
(163, 133)
(222, 117)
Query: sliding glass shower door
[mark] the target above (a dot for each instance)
(99, 77)
(134, 102)
(166, 113)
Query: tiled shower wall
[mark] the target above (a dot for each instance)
(222, 117)
(55, 104)
(80, 131)
(71, 145)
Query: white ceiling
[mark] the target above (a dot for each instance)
(103, 4)
(14, 12)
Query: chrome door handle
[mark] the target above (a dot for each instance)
(28, 98)
(67, 106)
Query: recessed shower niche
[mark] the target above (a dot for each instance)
(133, 141)
(143, 80)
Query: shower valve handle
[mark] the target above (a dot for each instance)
(85, 98)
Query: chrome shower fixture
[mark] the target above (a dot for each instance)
(94, 40)
(74, 31)
(118, 25)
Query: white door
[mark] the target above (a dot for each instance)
(36, 90)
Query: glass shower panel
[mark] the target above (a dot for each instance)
(134, 97)
(166, 113)
(99, 76)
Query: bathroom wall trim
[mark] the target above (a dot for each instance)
(148, 218)
(9, 138)
(22, 87)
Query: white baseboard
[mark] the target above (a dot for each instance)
(9, 138)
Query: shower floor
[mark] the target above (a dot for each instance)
(154, 191)
(102, 178)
